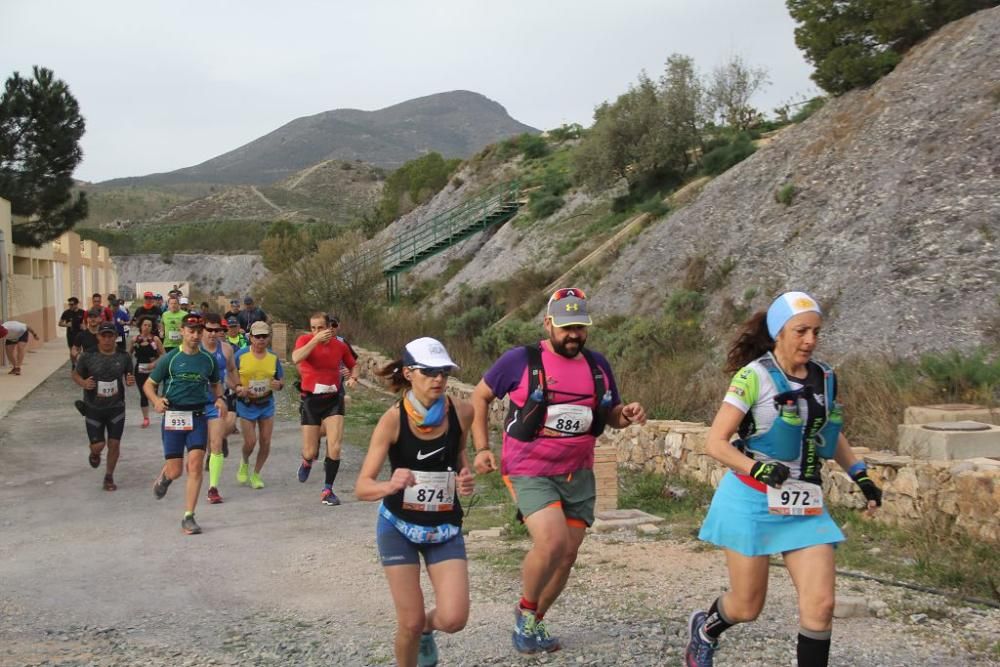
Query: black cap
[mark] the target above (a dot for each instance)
(193, 320)
(105, 327)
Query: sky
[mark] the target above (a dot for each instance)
(164, 85)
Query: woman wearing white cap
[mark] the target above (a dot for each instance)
(423, 436)
(782, 404)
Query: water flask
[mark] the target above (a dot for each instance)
(606, 399)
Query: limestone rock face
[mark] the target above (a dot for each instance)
(895, 223)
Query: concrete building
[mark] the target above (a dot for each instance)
(35, 282)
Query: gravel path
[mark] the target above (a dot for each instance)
(95, 578)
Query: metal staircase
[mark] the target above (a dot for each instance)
(492, 207)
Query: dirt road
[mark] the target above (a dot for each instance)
(95, 578)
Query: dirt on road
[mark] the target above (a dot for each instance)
(89, 577)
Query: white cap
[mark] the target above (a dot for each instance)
(184, 300)
(426, 353)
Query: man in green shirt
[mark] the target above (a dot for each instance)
(171, 322)
(187, 373)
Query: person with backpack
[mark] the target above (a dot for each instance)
(561, 398)
(781, 403)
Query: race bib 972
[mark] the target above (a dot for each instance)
(795, 498)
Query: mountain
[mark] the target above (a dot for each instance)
(455, 124)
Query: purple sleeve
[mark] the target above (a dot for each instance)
(504, 376)
(616, 399)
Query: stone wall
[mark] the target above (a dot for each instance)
(605, 456)
(964, 495)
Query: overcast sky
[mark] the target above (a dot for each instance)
(165, 85)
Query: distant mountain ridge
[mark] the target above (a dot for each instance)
(455, 124)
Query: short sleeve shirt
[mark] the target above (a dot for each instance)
(172, 328)
(86, 341)
(75, 319)
(185, 378)
(323, 363)
(108, 371)
(15, 329)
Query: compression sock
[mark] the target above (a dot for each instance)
(330, 468)
(527, 605)
(215, 462)
(813, 649)
(187, 514)
(716, 623)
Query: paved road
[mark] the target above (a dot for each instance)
(95, 578)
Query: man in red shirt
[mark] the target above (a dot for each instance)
(318, 356)
(106, 313)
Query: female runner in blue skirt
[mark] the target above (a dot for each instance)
(783, 406)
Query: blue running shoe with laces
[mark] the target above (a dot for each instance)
(304, 469)
(543, 640)
(700, 652)
(427, 656)
(524, 638)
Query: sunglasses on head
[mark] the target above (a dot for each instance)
(434, 372)
(568, 292)
(258, 336)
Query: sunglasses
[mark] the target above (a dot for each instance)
(259, 336)
(434, 372)
(568, 292)
(213, 330)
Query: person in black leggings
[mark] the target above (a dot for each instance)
(147, 348)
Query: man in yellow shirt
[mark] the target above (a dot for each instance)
(259, 374)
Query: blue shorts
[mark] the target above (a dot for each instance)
(175, 442)
(253, 412)
(211, 412)
(738, 520)
(395, 549)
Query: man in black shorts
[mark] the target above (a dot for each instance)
(103, 375)
(86, 340)
(72, 319)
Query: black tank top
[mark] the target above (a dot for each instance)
(437, 455)
(143, 349)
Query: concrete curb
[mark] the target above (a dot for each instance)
(39, 364)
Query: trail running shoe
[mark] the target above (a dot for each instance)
(214, 496)
(243, 474)
(427, 656)
(256, 482)
(545, 642)
(328, 497)
(109, 483)
(523, 637)
(304, 469)
(700, 652)
(94, 459)
(189, 526)
(161, 485)
(145, 422)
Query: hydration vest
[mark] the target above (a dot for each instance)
(524, 422)
(791, 437)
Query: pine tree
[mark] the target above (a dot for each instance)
(40, 130)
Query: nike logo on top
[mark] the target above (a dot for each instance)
(421, 456)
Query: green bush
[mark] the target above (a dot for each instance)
(542, 205)
(566, 132)
(471, 323)
(501, 337)
(963, 377)
(533, 146)
(785, 194)
(722, 157)
(808, 109)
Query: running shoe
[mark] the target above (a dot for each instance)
(189, 526)
(94, 460)
(161, 485)
(109, 483)
(546, 642)
(145, 422)
(214, 496)
(427, 655)
(304, 469)
(243, 474)
(524, 637)
(700, 652)
(328, 497)
(256, 482)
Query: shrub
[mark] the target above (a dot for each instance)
(722, 157)
(785, 194)
(510, 333)
(808, 109)
(533, 146)
(544, 205)
(566, 132)
(471, 323)
(963, 377)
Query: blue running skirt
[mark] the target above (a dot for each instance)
(738, 520)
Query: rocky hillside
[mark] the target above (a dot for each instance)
(231, 274)
(455, 124)
(888, 213)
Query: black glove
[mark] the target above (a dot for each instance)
(868, 487)
(772, 474)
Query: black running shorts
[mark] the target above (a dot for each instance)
(314, 408)
(101, 421)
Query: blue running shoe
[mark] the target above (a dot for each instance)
(544, 640)
(427, 656)
(524, 638)
(304, 469)
(700, 652)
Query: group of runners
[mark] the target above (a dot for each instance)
(777, 423)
